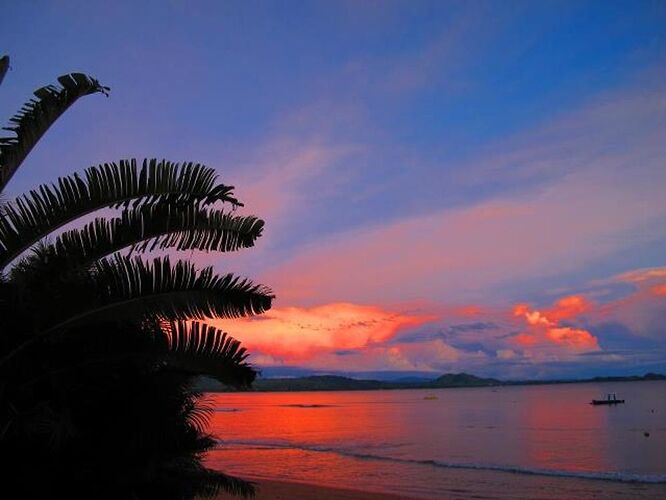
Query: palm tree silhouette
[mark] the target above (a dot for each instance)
(99, 347)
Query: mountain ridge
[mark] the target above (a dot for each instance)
(445, 381)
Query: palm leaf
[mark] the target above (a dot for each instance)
(4, 66)
(203, 349)
(155, 227)
(43, 210)
(127, 287)
(189, 347)
(37, 115)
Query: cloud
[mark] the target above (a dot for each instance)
(273, 182)
(297, 333)
(569, 307)
(469, 252)
(573, 193)
(433, 355)
(543, 328)
(643, 308)
(639, 276)
(516, 340)
(506, 354)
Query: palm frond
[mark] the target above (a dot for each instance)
(4, 66)
(155, 227)
(84, 328)
(127, 287)
(202, 349)
(37, 115)
(43, 210)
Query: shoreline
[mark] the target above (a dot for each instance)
(465, 484)
(391, 386)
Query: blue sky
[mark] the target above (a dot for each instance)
(413, 160)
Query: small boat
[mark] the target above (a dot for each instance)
(431, 398)
(611, 399)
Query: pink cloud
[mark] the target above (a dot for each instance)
(465, 253)
(639, 276)
(296, 333)
(569, 307)
(427, 336)
(643, 310)
(545, 328)
(430, 355)
(273, 183)
(596, 187)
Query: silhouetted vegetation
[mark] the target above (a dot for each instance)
(446, 381)
(99, 346)
(338, 383)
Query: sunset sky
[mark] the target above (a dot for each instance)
(448, 186)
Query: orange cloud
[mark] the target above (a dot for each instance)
(544, 327)
(525, 339)
(573, 337)
(569, 307)
(297, 333)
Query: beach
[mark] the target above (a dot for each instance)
(472, 484)
(282, 490)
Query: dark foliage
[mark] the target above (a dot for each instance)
(99, 347)
(37, 115)
(170, 188)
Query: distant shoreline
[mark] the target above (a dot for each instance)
(446, 381)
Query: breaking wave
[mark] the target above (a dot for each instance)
(624, 477)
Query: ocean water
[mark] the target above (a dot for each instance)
(406, 442)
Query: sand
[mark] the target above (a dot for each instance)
(278, 490)
(473, 484)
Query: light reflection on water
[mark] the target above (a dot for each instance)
(343, 437)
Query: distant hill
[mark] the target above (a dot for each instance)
(448, 380)
(462, 380)
(630, 378)
(319, 383)
(413, 380)
(338, 383)
(634, 378)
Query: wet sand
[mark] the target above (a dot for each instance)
(473, 484)
(278, 490)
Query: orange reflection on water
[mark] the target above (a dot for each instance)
(267, 423)
(563, 432)
(417, 436)
(276, 416)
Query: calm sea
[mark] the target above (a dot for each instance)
(405, 441)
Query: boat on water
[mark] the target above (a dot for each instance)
(611, 399)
